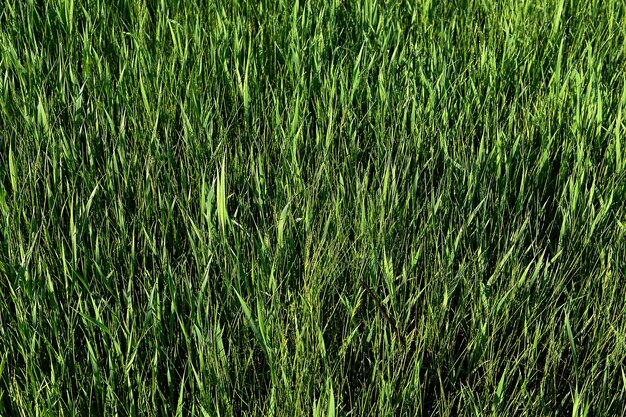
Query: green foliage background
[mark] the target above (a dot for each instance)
(196, 197)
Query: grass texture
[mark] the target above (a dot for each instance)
(312, 208)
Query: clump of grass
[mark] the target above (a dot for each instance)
(307, 207)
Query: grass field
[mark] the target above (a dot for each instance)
(312, 208)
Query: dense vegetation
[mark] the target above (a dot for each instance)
(302, 207)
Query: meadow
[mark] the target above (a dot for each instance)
(312, 208)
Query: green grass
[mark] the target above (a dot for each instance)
(312, 208)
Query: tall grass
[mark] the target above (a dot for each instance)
(327, 208)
